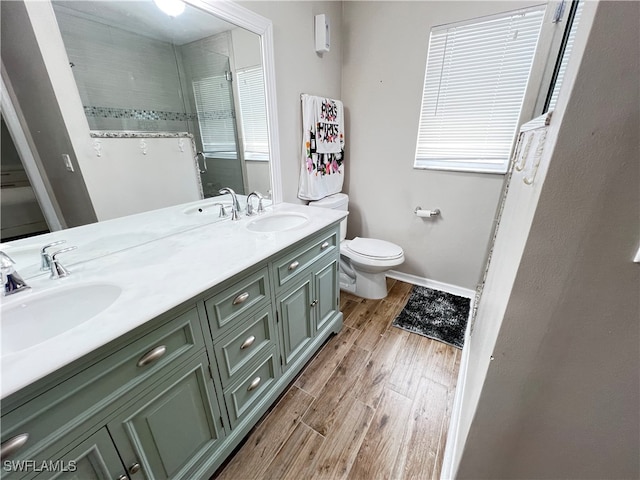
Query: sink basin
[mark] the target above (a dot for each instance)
(36, 318)
(277, 222)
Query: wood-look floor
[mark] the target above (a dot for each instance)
(374, 403)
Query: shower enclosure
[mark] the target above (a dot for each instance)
(135, 79)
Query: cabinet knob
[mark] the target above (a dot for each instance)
(243, 297)
(12, 445)
(123, 477)
(248, 342)
(254, 384)
(314, 303)
(324, 245)
(135, 468)
(152, 355)
(294, 265)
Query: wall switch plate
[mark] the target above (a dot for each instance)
(67, 162)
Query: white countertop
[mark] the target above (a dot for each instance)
(155, 277)
(102, 238)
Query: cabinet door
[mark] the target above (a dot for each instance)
(326, 294)
(173, 428)
(95, 458)
(294, 313)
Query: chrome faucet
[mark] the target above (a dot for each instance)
(223, 211)
(57, 269)
(235, 205)
(12, 281)
(250, 210)
(45, 258)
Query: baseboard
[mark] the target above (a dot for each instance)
(426, 282)
(451, 448)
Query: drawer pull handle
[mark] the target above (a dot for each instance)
(314, 303)
(135, 468)
(324, 245)
(12, 445)
(254, 384)
(248, 342)
(294, 265)
(243, 297)
(152, 355)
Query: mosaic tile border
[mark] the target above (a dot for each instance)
(159, 115)
(137, 134)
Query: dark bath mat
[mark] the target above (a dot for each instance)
(435, 314)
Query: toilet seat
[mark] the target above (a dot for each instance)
(372, 263)
(374, 249)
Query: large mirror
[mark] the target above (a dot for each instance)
(154, 89)
(141, 69)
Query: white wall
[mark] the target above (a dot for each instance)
(300, 70)
(561, 308)
(135, 181)
(385, 54)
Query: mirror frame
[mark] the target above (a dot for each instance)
(249, 20)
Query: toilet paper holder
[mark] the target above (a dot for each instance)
(426, 213)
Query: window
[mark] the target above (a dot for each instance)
(475, 81)
(253, 113)
(215, 116)
(566, 49)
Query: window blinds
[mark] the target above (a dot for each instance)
(253, 113)
(215, 115)
(475, 81)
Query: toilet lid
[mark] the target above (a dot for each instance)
(371, 247)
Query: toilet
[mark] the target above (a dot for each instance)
(363, 261)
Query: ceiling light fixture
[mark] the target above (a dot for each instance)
(173, 8)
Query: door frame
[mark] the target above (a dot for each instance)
(28, 155)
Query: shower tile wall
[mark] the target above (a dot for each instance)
(116, 69)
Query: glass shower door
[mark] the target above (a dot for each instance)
(217, 139)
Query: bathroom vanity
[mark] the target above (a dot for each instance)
(207, 328)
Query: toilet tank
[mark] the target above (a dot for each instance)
(338, 201)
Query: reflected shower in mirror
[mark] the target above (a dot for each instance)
(116, 109)
(138, 69)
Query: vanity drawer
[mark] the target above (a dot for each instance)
(254, 385)
(294, 262)
(85, 398)
(243, 345)
(233, 302)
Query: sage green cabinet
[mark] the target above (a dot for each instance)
(173, 398)
(307, 309)
(251, 387)
(95, 458)
(296, 320)
(327, 294)
(171, 429)
(84, 397)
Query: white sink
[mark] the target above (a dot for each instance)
(277, 222)
(38, 317)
